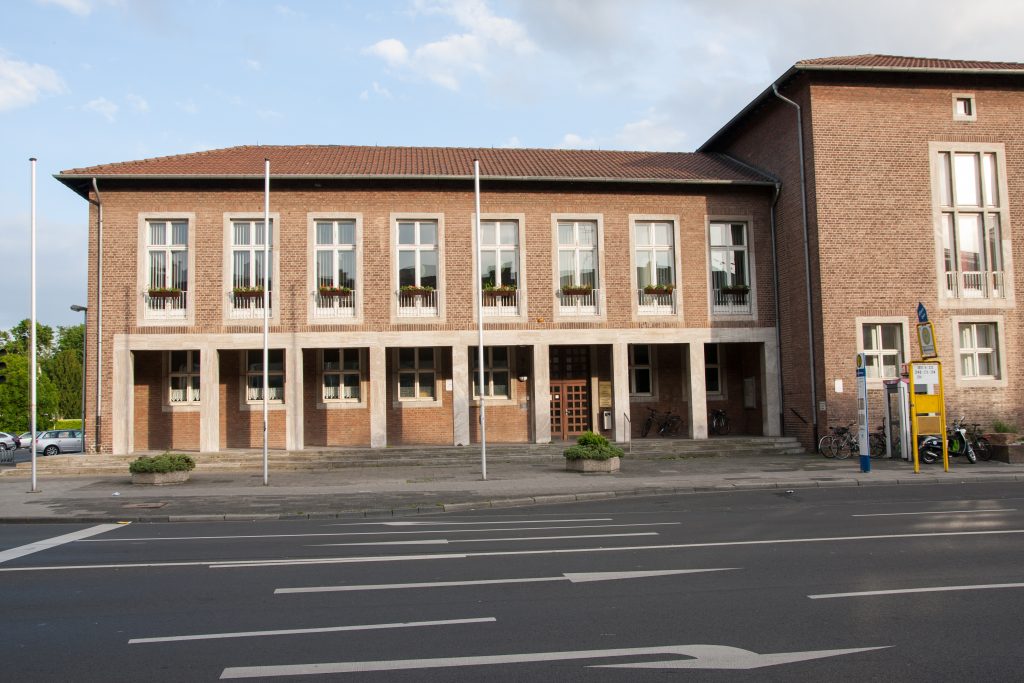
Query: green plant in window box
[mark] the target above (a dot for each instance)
(248, 292)
(416, 290)
(331, 291)
(659, 289)
(735, 289)
(498, 293)
(164, 292)
(577, 290)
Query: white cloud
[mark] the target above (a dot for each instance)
(574, 141)
(391, 51)
(22, 83)
(103, 107)
(138, 102)
(188, 106)
(512, 143)
(80, 7)
(286, 11)
(254, 64)
(269, 114)
(653, 132)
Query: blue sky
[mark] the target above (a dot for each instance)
(86, 82)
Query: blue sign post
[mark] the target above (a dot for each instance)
(862, 413)
(922, 313)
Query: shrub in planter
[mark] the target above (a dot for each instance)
(169, 468)
(413, 290)
(164, 292)
(658, 289)
(335, 291)
(577, 290)
(592, 453)
(248, 292)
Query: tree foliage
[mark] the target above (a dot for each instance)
(15, 403)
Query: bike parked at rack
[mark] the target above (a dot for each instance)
(668, 424)
(978, 442)
(719, 422)
(840, 444)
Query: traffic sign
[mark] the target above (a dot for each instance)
(922, 313)
(926, 338)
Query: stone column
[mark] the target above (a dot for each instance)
(378, 397)
(293, 406)
(620, 391)
(540, 394)
(698, 392)
(770, 407)
(122, 420)
(209, 400)
(460, 393)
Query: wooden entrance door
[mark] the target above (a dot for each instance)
(570, 391)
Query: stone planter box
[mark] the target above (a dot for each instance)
(160, 478)
(1009, 453)
(586, 465)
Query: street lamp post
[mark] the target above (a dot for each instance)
(84, 310)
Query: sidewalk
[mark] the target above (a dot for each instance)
(403, 491)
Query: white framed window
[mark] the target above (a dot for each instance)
(883, 346)
(417, 374)
(167, 254)
(497, 372)
(578, 254)
(970, 206)
(248, 272)
(654, 253)
(730, 267)
(336, 254)
(499, 254)
(713, 385)
(417, 254)
(183, 377)
(342, 374)
(640, 375)
(979, 350)
(254, 375)
(963, 107)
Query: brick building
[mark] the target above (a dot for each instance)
(611, 281)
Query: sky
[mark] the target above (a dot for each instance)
(86, 82)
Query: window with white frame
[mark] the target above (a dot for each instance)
(963, 107)
(417, 254)
(730, 269)
(336, 254)
(499, 254)
(341, 375)
(713, 370)
(640, 376)
(167, 255)
(497, 374)
(577, 254)
(979, 351)
(883, 349)
(655, 253)
(416, 374)
(972, 215)
(254, 375)
(248, 272)
(183, 374)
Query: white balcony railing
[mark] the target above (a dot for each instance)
(417, 305)
(275, 393)
(975, 284)
(163, 307)
(730, 301)
(244, 307)
(334, 305)
(185, 395)
(656, 304)
(500, 304)
(579, 304)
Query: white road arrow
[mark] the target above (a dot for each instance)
(703, 657)
(585, 577)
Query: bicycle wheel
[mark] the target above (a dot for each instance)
(877, 442)
(983, 448)
(646, 429)
(825, 446)
(723, 425)
(843, 448)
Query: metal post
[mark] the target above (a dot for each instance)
(480, 319)
(32, 326)
(266, 313)
(84, 310)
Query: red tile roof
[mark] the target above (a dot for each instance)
(894, 63)
(341, 161)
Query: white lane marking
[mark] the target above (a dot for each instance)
(515, 521)
(931, 589)
(936, 512)
(584, 577)
(376, 533)
(304, 631)
(230, 564)
(702, 657)
(39, 546)
(444, 541)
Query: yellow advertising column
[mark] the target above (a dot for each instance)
(927, 407)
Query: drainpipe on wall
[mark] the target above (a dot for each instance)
(778, 324)
(99, 312)
(807, 259)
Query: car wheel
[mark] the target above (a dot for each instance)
(3, 447)
(51, 450)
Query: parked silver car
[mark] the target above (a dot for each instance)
(59, 441)
(7, 442)
(25, 440)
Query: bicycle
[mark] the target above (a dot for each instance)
(668, 424)
(979, 443)
(876, 441)
(840, 444)
(719, 422)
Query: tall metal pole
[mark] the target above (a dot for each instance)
(266, 313)
(32, 326)
(84, 310)
(480, 319)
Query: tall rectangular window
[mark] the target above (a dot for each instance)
(183, 374)
(979, 351)
(497, 375)
(730, 267)
(972, 215)
(416, 374)
(499, 254)
(712, 370)
(883, 348)
(341, 375)
(655, 253)
(336, 254)
(417, 254)
(577, 254)
(247, 243)
(640, 370)
(167, 254)
(254, 375)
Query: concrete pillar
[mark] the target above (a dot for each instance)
(209, 399)
(122, 421)
(540, 394)
(771, 409)
(378, 397)
(293, 437)
(698, 392)
(620, 391)
(460, 394)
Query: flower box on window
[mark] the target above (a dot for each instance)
(577, 290)
(501, 294)
(248, 292)
(164, 292)
(413, 290)
(735, 289)
(659, 289)
(336, 292)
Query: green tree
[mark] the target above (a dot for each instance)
(15, 406)
(65, 372)
(71, 338)
(15, 340)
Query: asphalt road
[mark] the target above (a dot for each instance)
(759, 585)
